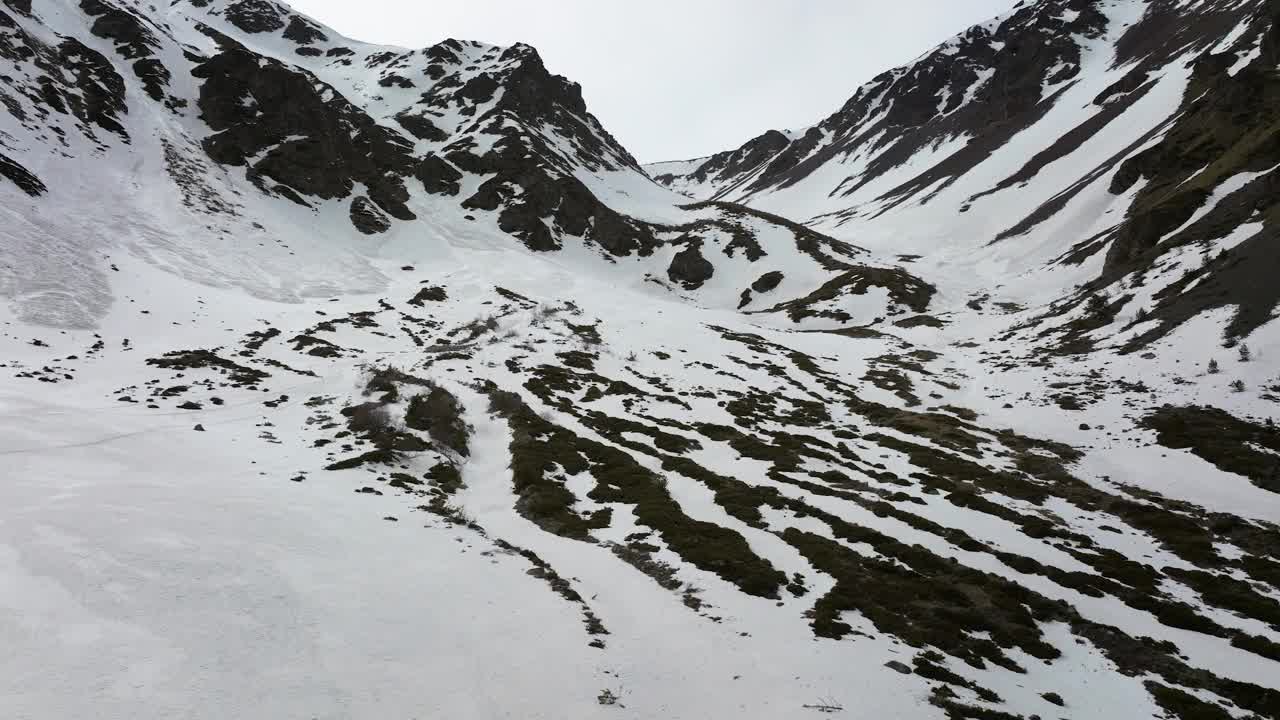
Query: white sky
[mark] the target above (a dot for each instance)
(676, 79)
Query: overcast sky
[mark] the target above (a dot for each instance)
(676, 79)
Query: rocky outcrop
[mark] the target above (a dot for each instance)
(303, 31)
(524, 196)
(1228, 124)
(367, 218)
(68, 79)
(768, 281)
(420, 126)
(690, 268)
(255, 16)
(20, 176)
(287, 126)
(733, 164)
(133, 40)
(437, 176)
(96, 95)
(946, 94)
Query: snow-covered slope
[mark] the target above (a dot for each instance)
(1121, 148)
(217, 112)
(341, 380)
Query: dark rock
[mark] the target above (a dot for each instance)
(20, 176)
(97, 92)
(154, 76)
(367, 218)
(303, 133)
(429, 294)
(133, 41)
(421, 127)
(394, 80)
(526, 193)
(390, 194)
(768, 281)
(689, 268)
(303, 31)
(255, 16)
(1053, 698)
(731, 163)
(898, 666)
(290, 194)
(919, 321)
(198, 428)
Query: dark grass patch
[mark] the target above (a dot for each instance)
(1230, 443)
(428, 294)
(1184, 705)
(640, 557)
(438, 413)
(315, 346)
(916, 321)
(387, 381)
(903, 288)
(538, 446)
(928, 601)
(254, 341)
(208, 359)
(515, 297)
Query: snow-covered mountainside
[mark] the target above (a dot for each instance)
(1125, 147)
(351, 381)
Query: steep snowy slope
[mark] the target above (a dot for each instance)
(219, 111)
(349, 381)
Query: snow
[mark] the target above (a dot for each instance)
(148, 569)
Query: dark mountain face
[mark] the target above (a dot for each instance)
(904, 110)
(734, 164)
(306, 140)
(250, 90)
(1226, 126)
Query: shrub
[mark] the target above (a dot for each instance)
(1097, 305)
(439, 413)
(504, 403)
(369, 418)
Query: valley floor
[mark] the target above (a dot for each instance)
(681, 513)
